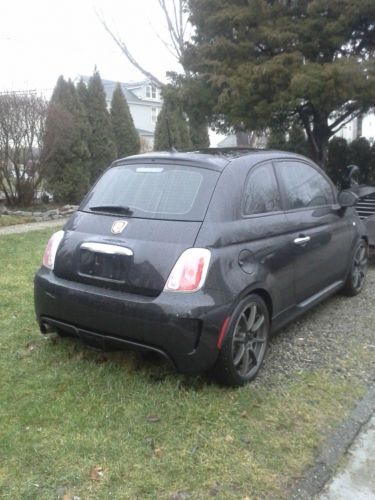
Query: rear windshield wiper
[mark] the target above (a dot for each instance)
(118, 209)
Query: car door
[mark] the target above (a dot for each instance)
(267, 240)
(319, 231)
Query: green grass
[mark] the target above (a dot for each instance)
(65, 410)
(10, 220)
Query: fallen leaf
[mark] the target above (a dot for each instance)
(157, 452)
(97, 473)
(153, 418)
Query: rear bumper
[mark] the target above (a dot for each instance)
(182, 327)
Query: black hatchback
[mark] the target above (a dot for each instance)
(201, 256)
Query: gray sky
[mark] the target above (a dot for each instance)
(41, 39)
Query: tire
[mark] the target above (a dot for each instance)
(356, 278)
(245, 343)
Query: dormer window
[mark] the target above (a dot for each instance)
(151, 92)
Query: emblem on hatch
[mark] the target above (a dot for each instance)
(118, 226)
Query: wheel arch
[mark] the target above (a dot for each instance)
(265, 296)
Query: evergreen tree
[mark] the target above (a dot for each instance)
(360, 154)
(83, 94)
(338, 159)
(171, 129)
(297, 142)
(194, 97)
(277, 61)
(125, 134)
(101, 143)
(65, 152)
(277, 139)
(198, 129)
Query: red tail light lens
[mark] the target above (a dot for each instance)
(51, 249)
(190, 271)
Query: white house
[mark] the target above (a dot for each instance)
(144, 101)
(359, 127)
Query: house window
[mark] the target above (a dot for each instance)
(151, 92)
(154, 114)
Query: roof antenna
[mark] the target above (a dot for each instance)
(171, 147)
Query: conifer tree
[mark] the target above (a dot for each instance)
(101, 142)
(338, 159)
(82, 94)
(268, 62)
(277, 139)
(125, 134)
(360, 154)
(65, 152)
(297, 142)
(172, 130)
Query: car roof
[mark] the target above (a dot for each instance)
(210, 158)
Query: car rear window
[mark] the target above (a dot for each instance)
(173, 192)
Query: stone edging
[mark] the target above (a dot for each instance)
(333, 450)
(38, 216)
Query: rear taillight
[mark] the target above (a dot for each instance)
(51, 249)
(190, 271)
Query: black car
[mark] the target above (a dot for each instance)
(201, 256)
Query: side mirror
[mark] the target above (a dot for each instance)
(347, 199)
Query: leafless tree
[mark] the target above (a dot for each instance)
(175, 14)
(22, 121)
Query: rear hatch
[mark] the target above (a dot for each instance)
(134, 224)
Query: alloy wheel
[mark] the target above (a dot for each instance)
(249, 340)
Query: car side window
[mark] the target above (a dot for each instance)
(261, 192)
(304, 186)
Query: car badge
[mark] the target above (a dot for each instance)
(118, 226)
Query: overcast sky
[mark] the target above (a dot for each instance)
(41, 39)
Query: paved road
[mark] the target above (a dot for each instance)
(32, 226)
(356, 481)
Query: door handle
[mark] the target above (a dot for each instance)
(302, 240)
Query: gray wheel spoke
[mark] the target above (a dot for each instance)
(253, 355)
(251, 319)
(239, 338)
(239, 354)
(258, 323)
(258, 341)
(357, 279)
(362, 254)
(245, 362)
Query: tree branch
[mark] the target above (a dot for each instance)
(342, 118)
(122, 45)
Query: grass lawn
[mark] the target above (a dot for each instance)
(10, 220)
(74, 423)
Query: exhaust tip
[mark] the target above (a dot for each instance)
(46, 328)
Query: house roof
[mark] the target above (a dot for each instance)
(126, 87)
(109, 87)
(145, 132)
